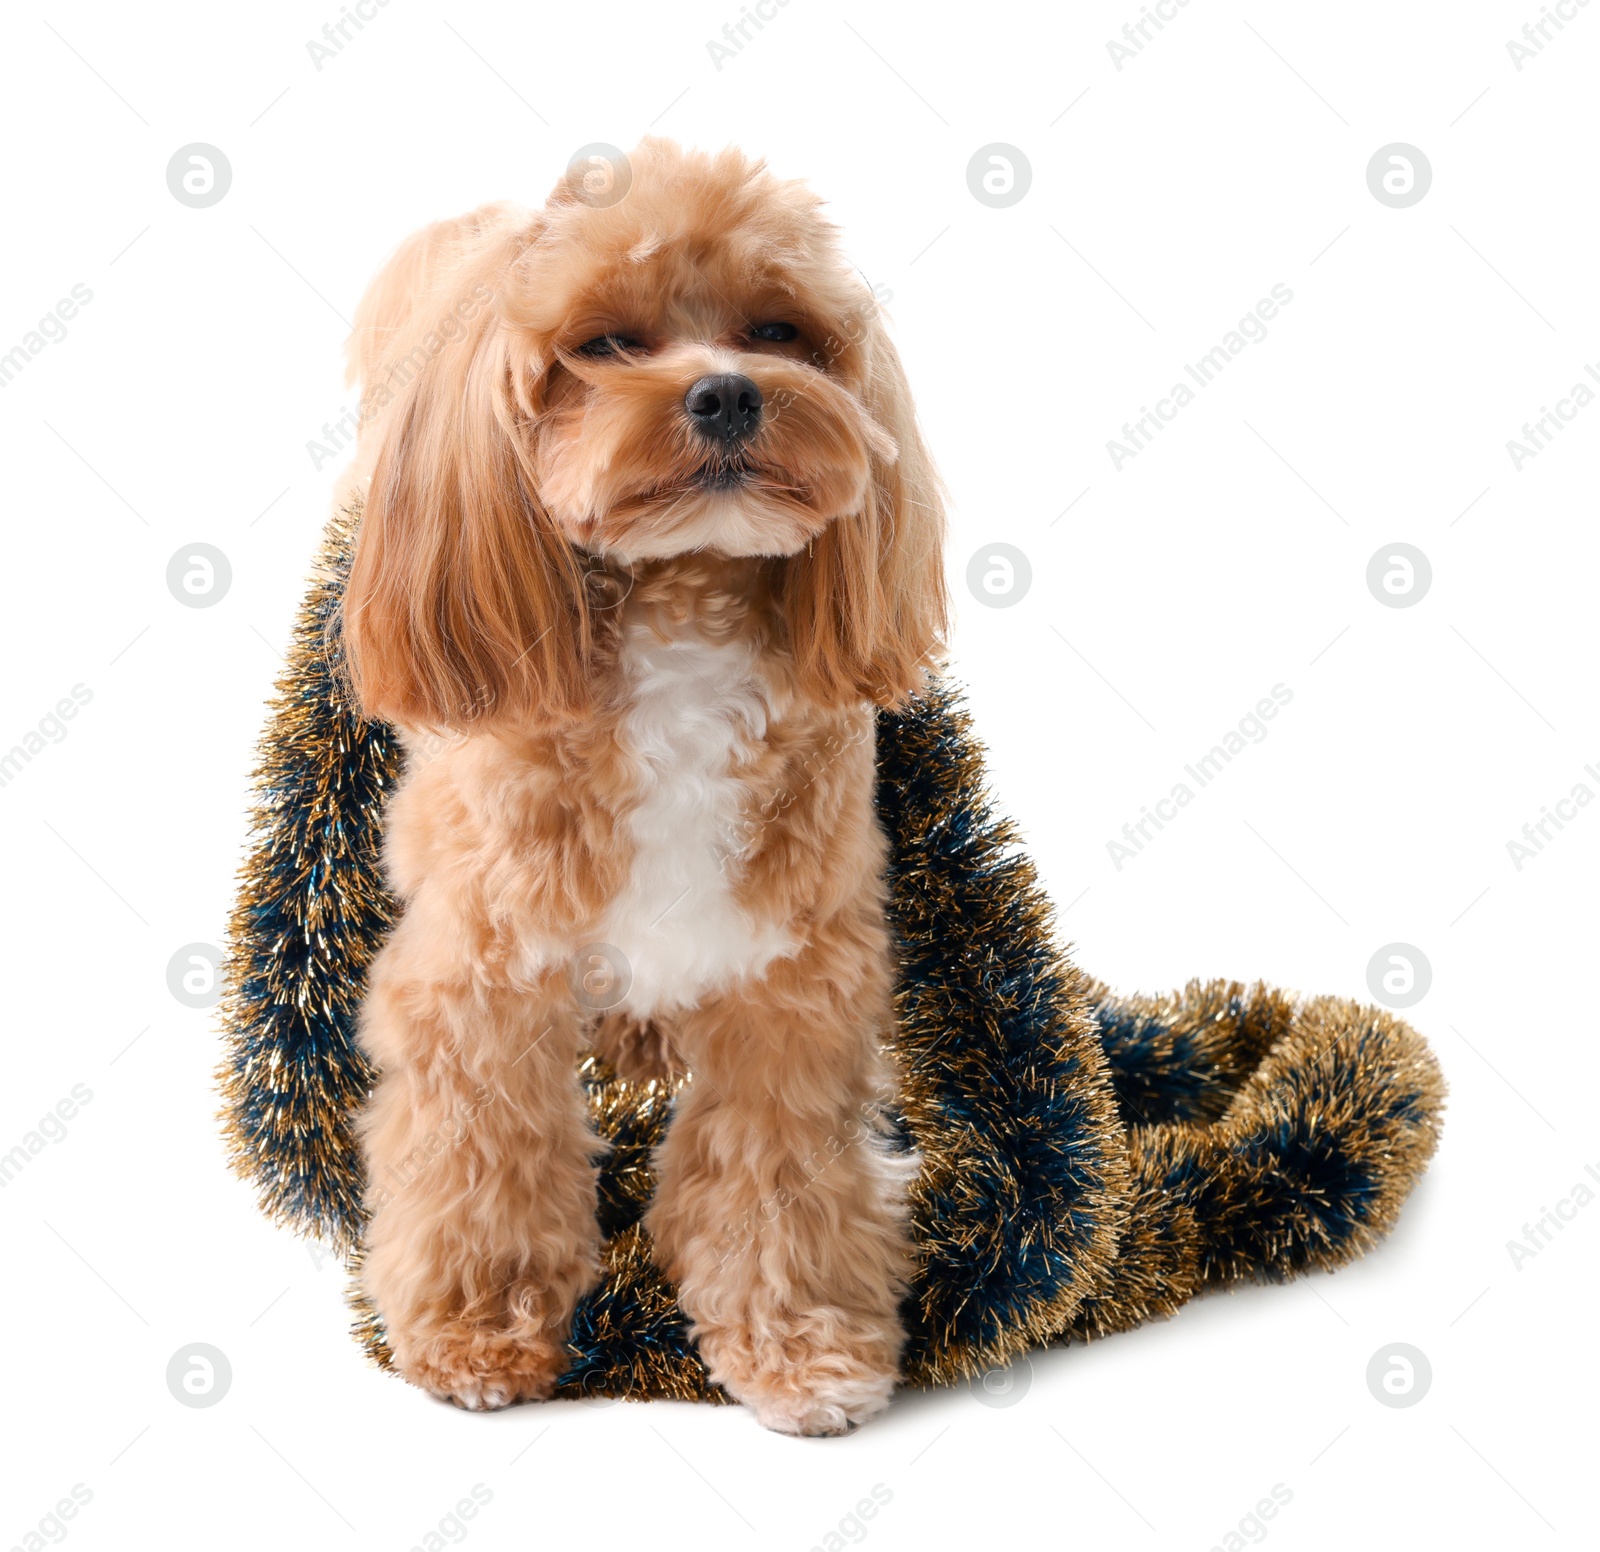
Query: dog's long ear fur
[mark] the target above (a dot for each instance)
(464, 606)
(866, 605)
(428, 263)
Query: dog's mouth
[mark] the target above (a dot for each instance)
(713, 476)
(723, 474)
(726, 499)
(727, 503)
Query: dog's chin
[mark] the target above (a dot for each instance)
(722, 510)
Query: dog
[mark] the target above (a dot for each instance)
(648, 533)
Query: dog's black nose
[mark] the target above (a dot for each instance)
(724, 408)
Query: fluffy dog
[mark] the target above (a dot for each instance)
(649, 530)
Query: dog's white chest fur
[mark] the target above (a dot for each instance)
(695, 705)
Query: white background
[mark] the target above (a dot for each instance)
(1167, 198)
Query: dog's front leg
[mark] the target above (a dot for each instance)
(779, 1209)
(481, 1181)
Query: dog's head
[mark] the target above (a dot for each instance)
(671, 356)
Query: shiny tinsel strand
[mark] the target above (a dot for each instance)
(1088, 1161)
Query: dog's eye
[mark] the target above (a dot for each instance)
(609, 345)
(776, 333)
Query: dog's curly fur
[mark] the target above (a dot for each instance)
(635, 673)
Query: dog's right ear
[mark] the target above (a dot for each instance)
(465, 606)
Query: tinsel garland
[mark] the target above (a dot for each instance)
(1087, 1161)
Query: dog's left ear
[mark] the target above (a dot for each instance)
(866, 605)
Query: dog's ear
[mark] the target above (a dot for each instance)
(417, 278)
(465, 606)
(866, 604)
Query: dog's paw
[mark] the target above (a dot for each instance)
(484, 1370)
(796, 1387)
(833, 1407)
(639, 1049)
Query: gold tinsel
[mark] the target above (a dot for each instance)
(1087, 1161)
